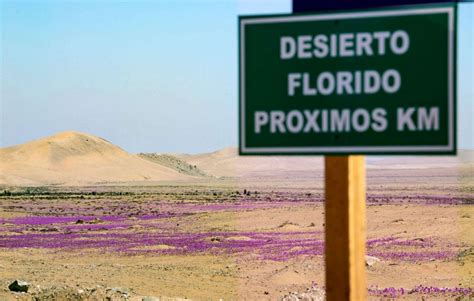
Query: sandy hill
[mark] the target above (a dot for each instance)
(463, 158)
(228, 163)
(73, 158)
(173, 162)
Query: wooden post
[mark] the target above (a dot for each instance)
(345, 228)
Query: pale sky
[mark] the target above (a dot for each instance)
(149, 76)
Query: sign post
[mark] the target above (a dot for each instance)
(343, 85)
(345, 228)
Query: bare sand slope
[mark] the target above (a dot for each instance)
(464, 158)
(227, 162)
(174, 163)
(73, 158)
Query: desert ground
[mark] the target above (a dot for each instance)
(82, 219)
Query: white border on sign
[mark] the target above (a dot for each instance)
(355, 149)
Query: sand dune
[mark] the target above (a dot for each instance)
(73, 158)
(464, 158)
(174, 163)
(228, 163)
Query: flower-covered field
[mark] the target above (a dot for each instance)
(278, 236)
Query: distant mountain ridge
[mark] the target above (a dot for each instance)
(74, 158)
(226, 162)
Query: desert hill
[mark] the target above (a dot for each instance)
(227, 163)
(174, 163)
(463, 158)
(73, 158)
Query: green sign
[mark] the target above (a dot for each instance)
(359, 82)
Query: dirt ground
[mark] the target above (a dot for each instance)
(401, 232)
